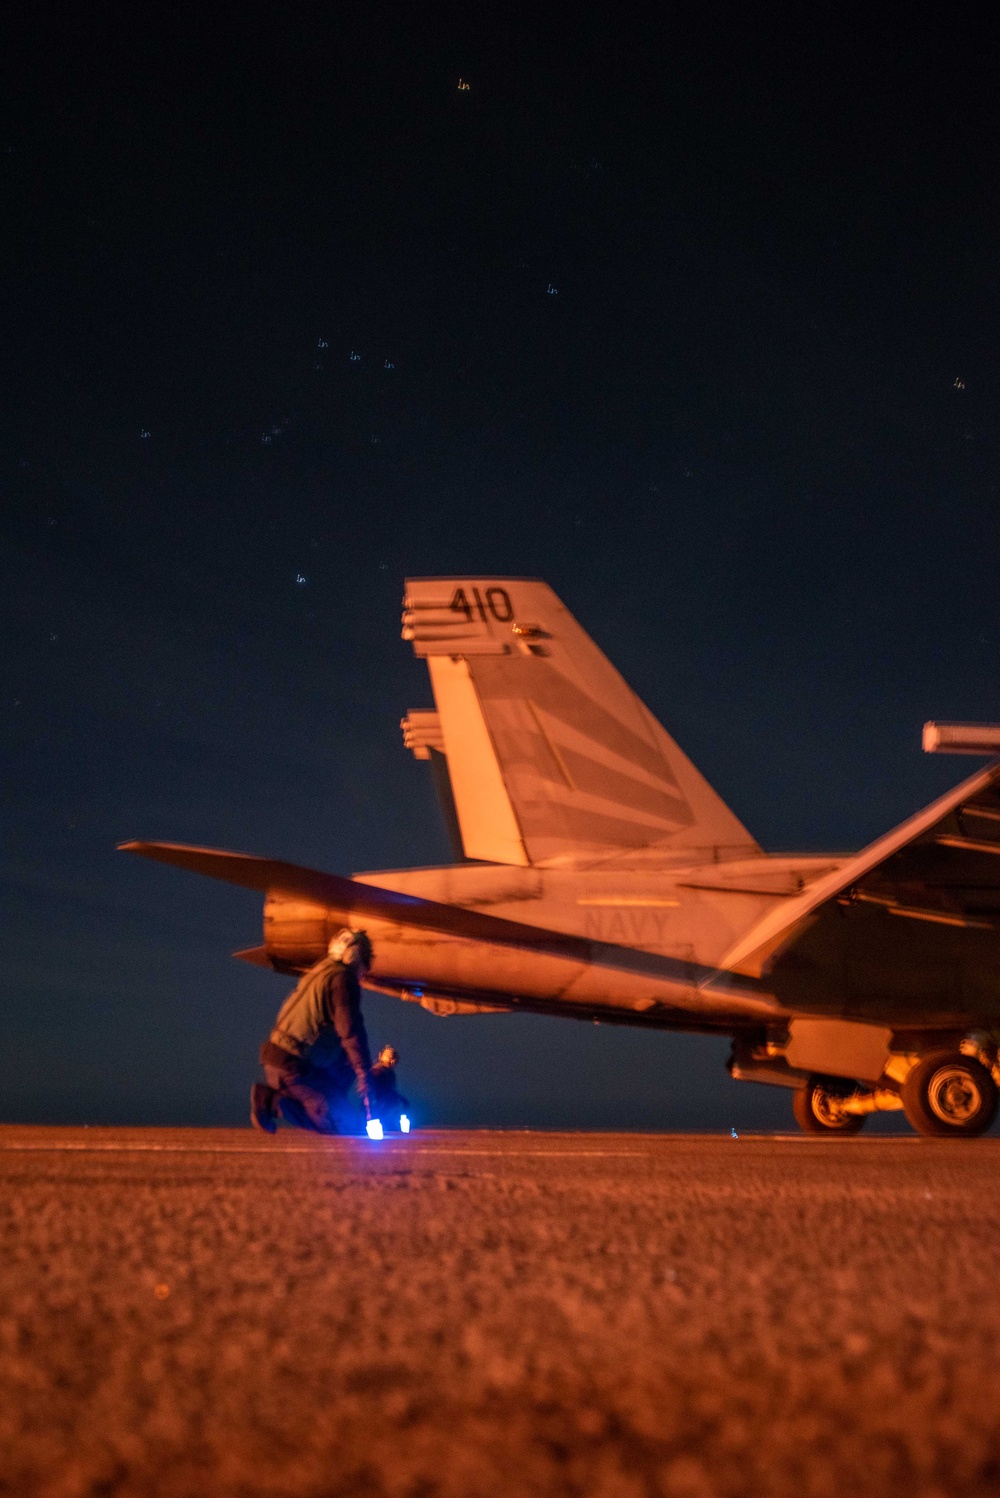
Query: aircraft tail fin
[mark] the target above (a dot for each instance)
(552, 757)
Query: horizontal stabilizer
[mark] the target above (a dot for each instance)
(356, 899)
(244, 869)
(256, 956)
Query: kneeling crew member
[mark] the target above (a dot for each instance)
(318, 1047)
(387, 1100)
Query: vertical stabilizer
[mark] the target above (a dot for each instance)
(552, 757)
(485, 810)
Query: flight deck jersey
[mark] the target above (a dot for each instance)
(320, 1021)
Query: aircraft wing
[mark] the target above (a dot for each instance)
(356, 898)
(940, 868)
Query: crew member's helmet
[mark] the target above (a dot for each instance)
(352, 947)
(388, 1057)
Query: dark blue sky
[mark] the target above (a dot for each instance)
(695, 318)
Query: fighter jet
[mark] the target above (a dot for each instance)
(598, 876)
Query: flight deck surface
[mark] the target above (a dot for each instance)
(209, 1311)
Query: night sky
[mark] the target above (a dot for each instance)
(691, 313)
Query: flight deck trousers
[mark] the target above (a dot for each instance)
(301, 1090)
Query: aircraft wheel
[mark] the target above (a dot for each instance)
(819, 1109)
(950, 1095)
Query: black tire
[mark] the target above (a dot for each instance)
(816, 1111)
(950, 1096)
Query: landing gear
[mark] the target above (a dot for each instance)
(819, 1107)
(950, 1095)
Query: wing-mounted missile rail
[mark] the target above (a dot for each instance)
(962, 738)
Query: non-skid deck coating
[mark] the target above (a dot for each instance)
(190, 1312)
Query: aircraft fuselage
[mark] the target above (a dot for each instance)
(684, 916)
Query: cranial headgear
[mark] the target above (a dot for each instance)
(349, 947)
